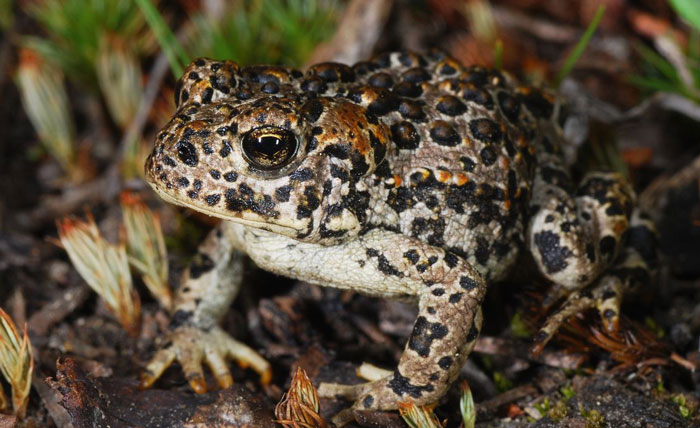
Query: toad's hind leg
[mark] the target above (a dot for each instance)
(390, 264)
(631, 269)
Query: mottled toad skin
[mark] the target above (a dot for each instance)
(407, 176)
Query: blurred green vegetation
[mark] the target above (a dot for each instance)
(74, 30)
(265, 31)
(249, 32)
(6, 14)
(659, 74)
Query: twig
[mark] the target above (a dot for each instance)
(540, 28)
(497, 346)
(507, 397)
(358, 31)
(53, 312)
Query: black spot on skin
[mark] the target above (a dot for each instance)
(245, 200)
(327, 187)
(607, 246)
(416, 75)
(552, 253)
(312, 110)
(446, 69)
(481, 253)
(405, 136)
(423, 334)
(445, 363)
(225, 149)
(302, 174)
(333, 72)
(537, 104)
(381, 80)
(451, 259)
(215, 174)
(207, 149)
(455, 298)
(183, 182)
(383, 263)
(485, 130)
(510, 106)
(187, 153)
(467, 163)
(479, 96)
(169, 161)
(473, 333)
(231, 177)
(401, 385)
(412, 256)
(313, 84)
(450, 106)
(270, 88)
(412, 110)
(207, 95)
(438, 292)
(377, 147)
(385, 102)
(444, 134)
(431, 310)
(180, 318)
(367, 401)
(407, 89)
(468, 283)
(557, 177)
(201, 264)
(488, 155)
(590, 252)
(213, 199)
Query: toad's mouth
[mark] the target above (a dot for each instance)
(245, 218)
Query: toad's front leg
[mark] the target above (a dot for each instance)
(208, 287)
(388, 264)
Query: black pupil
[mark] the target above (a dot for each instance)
(265, 150)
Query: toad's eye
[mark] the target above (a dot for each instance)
(269, 148)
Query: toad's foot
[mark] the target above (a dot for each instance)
(192, 346)
(377, 395)
(632, 269)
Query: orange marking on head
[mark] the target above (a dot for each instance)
(442, 176)
(197, 124)
(397, 181)
(461, 179)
